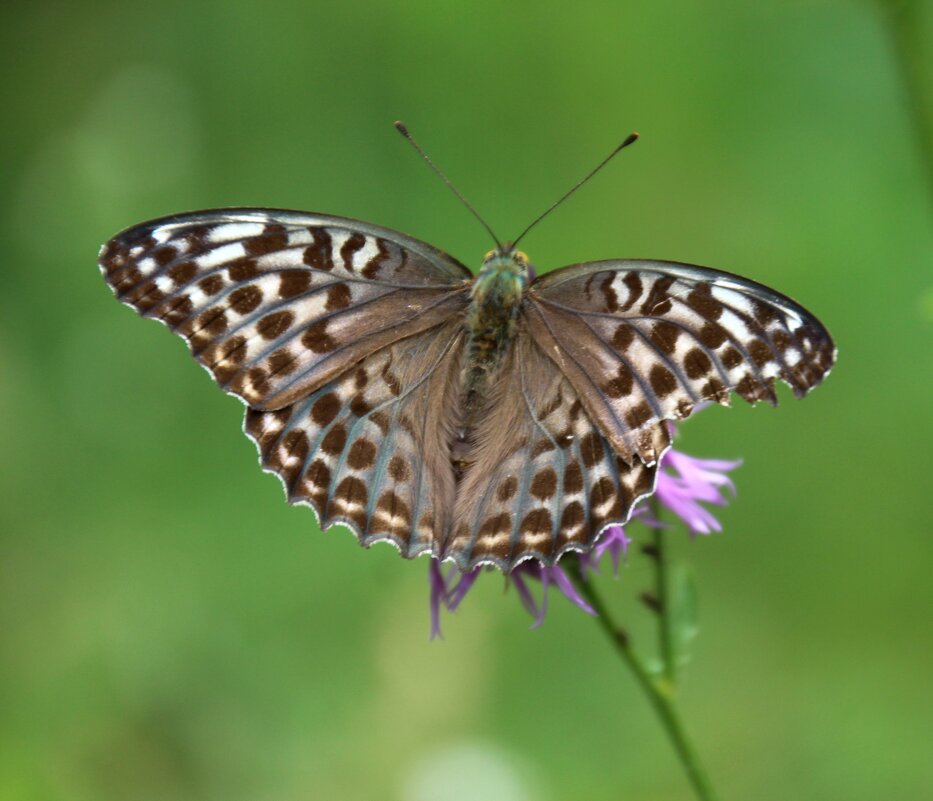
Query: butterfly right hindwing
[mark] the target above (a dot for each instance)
(542, 478)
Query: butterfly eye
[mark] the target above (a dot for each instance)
(489, 255)
(521, 256)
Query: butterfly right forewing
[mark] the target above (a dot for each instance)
(645, 341)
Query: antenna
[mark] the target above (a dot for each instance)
(403, 130)
(628, 140)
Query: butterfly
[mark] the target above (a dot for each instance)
(484, 419)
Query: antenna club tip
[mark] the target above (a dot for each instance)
(401, 127)
(629, 139)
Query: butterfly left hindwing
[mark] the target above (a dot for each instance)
(371, 449)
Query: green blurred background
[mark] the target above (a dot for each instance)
(170, 629)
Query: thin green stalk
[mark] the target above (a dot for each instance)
(907, 29)
(663, 594)
(659, 691)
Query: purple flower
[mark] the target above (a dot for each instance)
(447, 591)
(615, 541)
(547, 576)
(684, 483)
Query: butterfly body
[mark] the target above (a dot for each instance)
(487, 419)
(491, 319)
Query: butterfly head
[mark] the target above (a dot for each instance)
(508, 262)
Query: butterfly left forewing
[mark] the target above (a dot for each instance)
(647, 341)
(275, 303)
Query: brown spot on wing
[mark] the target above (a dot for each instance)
(609, 294)
(273, 238)
(149, 299)
(620, 385)
(232, 350)
(212, 284)
(639, 415)
(354, 242)
(166, 254)
(712, 335)
(623, 337)
(544, 484)
(316, 338)
(281, 362)
(338, 297)
(362, 454)
(573, 478)
(658, 302)
(351, 491)
(381, 419)
(497, 524)
(296, 445)
(318, 475)
(224, 373)
(294, 282)
(183, 273)
(537, 521)
(781, 340)
(393, 506)
(213, 321)
(591, 449)
(245, 299)
(635, 288)
(398, 469)
(179, 312)
(325, 409)
(763, 313)
(714, 389)
(359, 406)
(572, 516)
(696, 363)
(663, 381)
(761, 354)
(243, 270)
(371, 270)
(664, 335)
(601, 491)
(318, 255)
(274, 325)
(702, 301)
(507, 488)
(643, 481)
(731, 358)
(335, 440)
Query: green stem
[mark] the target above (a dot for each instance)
(658, 689)
(907, 28)
(662, 590)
